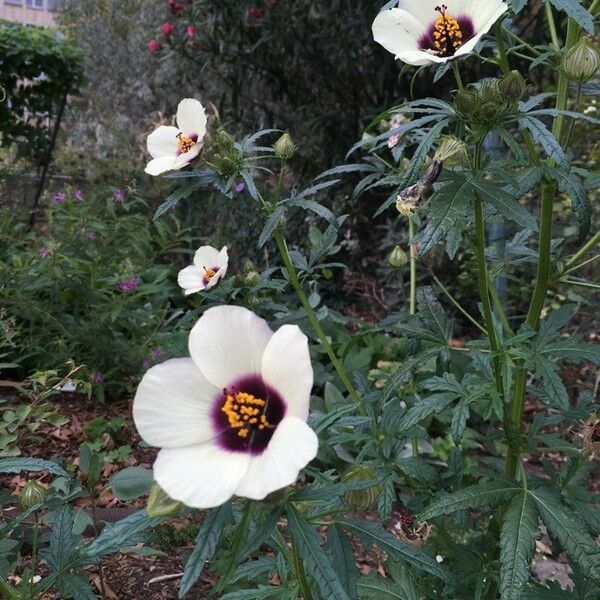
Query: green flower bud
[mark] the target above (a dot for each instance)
(225, 140)
(581, 63)
(489, 92)
(160, 504)
(33, 493)
(398, 258)
(365, 499)
(512, 86)
(284, 147)
(452, 151)
(465, 101)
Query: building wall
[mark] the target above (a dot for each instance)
(28, 12)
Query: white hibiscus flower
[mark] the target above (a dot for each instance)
(232, 418)
(173, 148)
(210, 266)
(420, 32)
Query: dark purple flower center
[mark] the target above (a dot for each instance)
(209, 273)
(447, 33)
(246, 414)
(185, 142)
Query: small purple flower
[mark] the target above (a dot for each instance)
(146, 363)
(128, 285)
(44, 252)
(78, 195)
(97, 377)
(240, 187)
(91, 236)
(59, 198)
(157, 353)
(119, 196)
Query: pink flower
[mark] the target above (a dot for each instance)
(146, 363)
(59, 198)
(190, 31)
(240, 187)
(129, 285)
(157, 353)
(97, 377)
(91, 236)
(255, 12)
(44, 252)
(78, 195)
(175, 7)
(393, 141)
(154, 46)
(119, 196)
(167, 29)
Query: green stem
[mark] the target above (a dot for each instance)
(500, 309)
(299, 571)
(457, 76)
(585, 284)
(573, 262)
(572, 123)
(502, 54)
(7, 591)
(521, 41)
(459, 307)
(34, 548)
(310, 313)
(484, 293)
(413, 267)
(552, 25)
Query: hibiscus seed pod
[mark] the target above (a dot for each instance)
(581, 63)
(465, 101)
(591, 437)
(512, 86)
(398, 258)
(365, 499)
(284, 147)
(451, 152)
(32, 494)
(160, 504)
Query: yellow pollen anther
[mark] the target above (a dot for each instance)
(185, 143)
(242, 411)
(447, 34)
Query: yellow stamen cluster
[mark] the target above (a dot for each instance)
(245, 413)
(209, 273)
(447, 35)
(185, 143)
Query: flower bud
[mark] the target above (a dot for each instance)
(160, 504)
(284, 147)
(465, 101)
(365, 499)
(582, 61)
(512, 86)
(398, 258)
(225, 140)
(33, 493)
(452, 151)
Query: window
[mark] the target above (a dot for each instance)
(35, 3)
(51, 5)
(14, 2)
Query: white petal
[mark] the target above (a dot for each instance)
(215, 279)
(201, 476)
(223, 260)
(172, 405)
(286, 367)
(484, 17)
(423, 10)
(206, 256)
(293, 445)
(163, 142)
(157, 166)
(227, 343)
(191, 279)
(191, 118)
(397, 31)
(183, 160)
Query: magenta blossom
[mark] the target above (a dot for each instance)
(167, 29)
(44, 252)
(190, 31)
(91, 236)
(59, 198)
(97, 377)
(119, 196)
(240, 187)
(78, 195)
(129, 285)
(146, 363)
(157, 353)
(154, 45)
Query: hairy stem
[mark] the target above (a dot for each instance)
(312, 317)
(574, 261)
(413, 297)
(300, 573)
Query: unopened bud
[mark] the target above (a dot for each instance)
(409, 198)
(452, 151)
(512, 86)
(284, 147)
(160, 504)
(582, 61)
(32, 494)
(465, 101)
(365, 499)
(225, 140)
(398, 258)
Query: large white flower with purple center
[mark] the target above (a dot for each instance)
(232, 418)
(173, 148)
(420, 32)
(210, 266)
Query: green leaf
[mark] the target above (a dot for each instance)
(504, 203)
(272, 224)
(572, 185)
(577, 12)
(459, 420)
(179, 194)
(61, 550)
(433, 404)
(206, 543)
(342, 557)
(517, 545)
(553, 385)
(32, 465)
(375, 587)
(77, 586)
(313, 555)
(371, 532)
(482, 495)
(541, 134)
(131, 483)
(258, 593)
(448, 216)
(564, 526)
